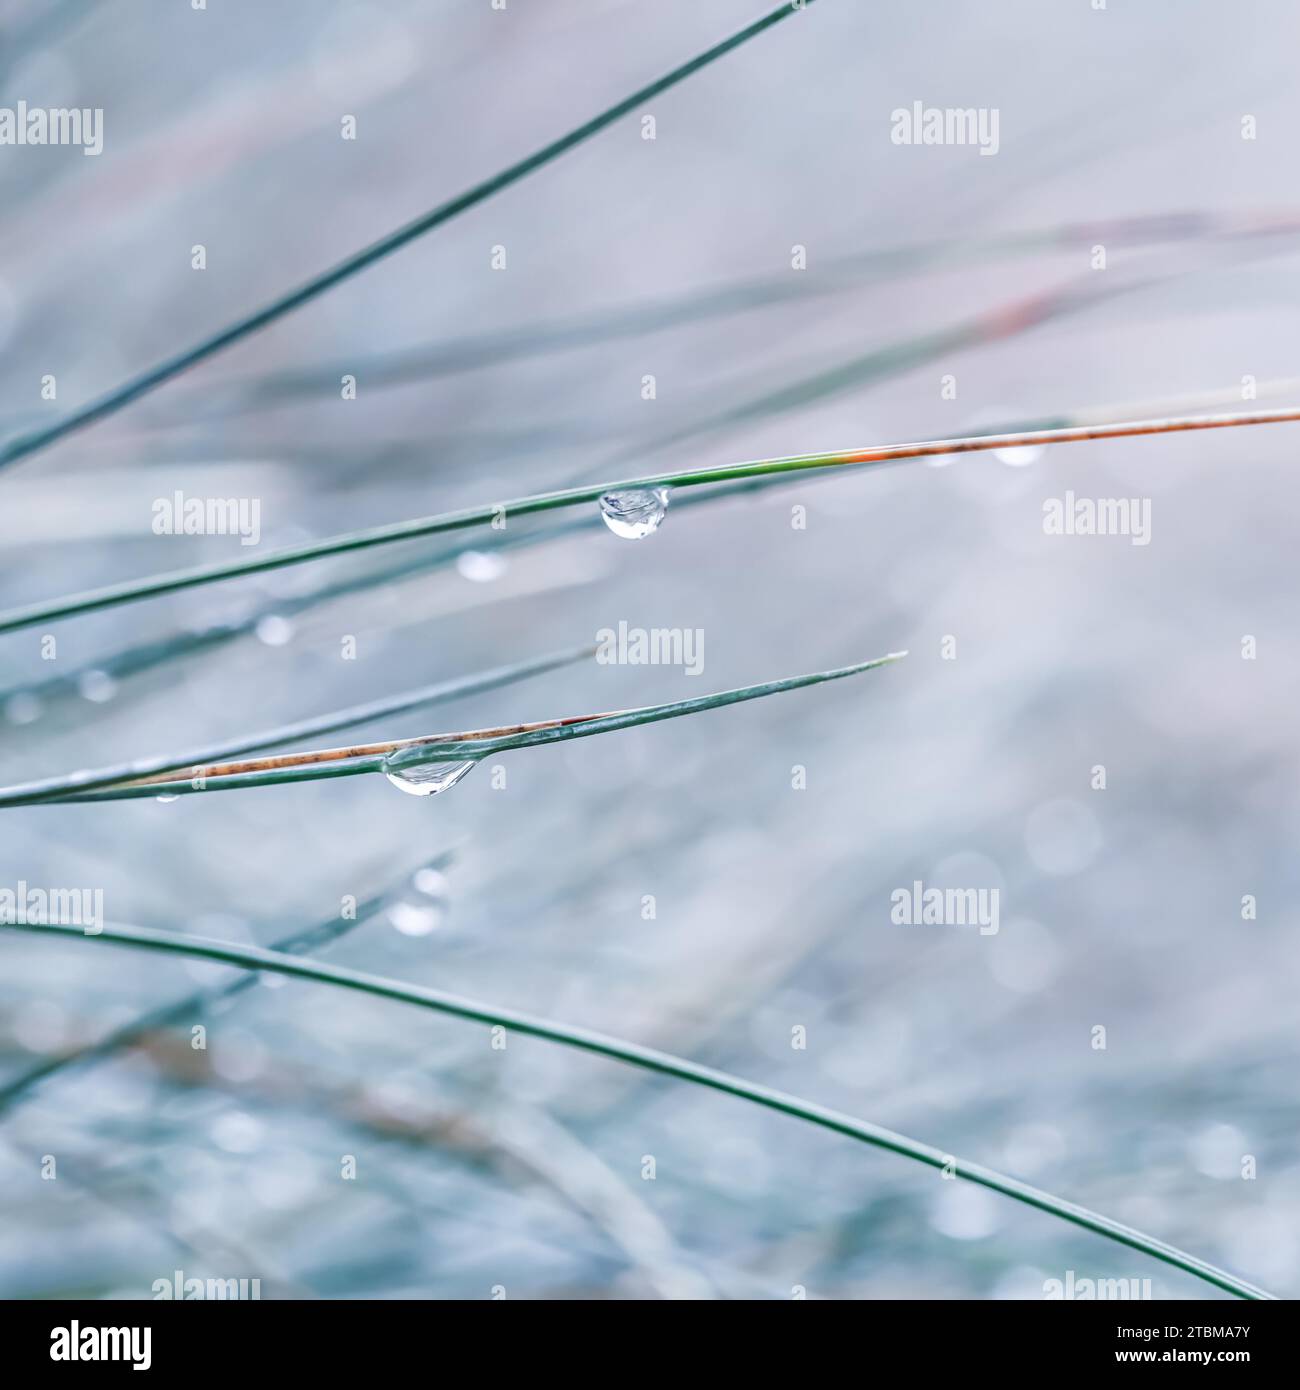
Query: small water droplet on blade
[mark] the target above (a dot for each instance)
(423, 906)
(431, 882)
(634, 512)
(428, 779)
(22, 708)
(415, 919)
(274, 631)
(480, 566)
(1020, 455)
(96, 686)
(163, 800)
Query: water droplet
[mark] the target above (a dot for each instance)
(480, 566)
(23, 708)
(1218, 1150)
(415, 919)
(1020, 456)
(634, 512)
(96, 686)
(428, 779)
(422, 908)
(431, 882)
(963, 1212)
(1001, 419)
(274, 631)
(163, 800)
(237, 1132)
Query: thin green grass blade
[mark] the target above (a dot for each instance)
(998, 324)
(461, 747)
(448, 357)
(664, 1064)
(26, 444)
(148, 656)
(133, 590)
(186, 1011)
(51, 788)
(143, 657)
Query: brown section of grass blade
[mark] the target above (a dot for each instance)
(148, 770)
(134, 590)
(398, 754)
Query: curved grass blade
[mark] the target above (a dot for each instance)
(187, 1010)
(23, 445)
(664, 1064)
(448, 357)
(148, 656)
(1001, 323)
(51, 788)
(133, 590)
(402, 754)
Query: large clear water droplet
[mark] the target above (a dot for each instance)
(428, 779)
(634, 512)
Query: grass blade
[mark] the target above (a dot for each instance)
(51, 788)
(133, 590)
(26, 444)
(449, 357)
(664, 1064)
(148, 656)
(396, 755)
(187, 1010)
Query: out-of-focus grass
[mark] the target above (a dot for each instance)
(252, 958)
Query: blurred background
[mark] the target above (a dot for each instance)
(670, 258)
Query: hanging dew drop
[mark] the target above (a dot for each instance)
(415, 919)
(634, 513)
(428, 779)
(1019, 455)
(995, 418)
(480, 566)
(421, 909)
(163, 800)
(431, 882)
